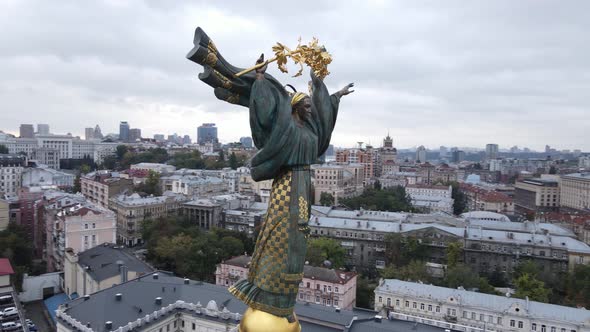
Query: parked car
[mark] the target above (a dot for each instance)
(5, 299)
(10, 311)
(9, 326)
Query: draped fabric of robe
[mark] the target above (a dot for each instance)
(286, 151)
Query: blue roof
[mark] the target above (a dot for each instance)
(52, 303)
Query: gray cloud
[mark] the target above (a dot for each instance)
(430, 72)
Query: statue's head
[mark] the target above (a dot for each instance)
(301, 105)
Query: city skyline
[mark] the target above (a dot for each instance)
(431, 77)
(194, 138)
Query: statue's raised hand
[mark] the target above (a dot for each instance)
(346, 90)
(260, 71)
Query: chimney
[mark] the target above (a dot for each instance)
(118, 296)
(108, 325)
(155, 275)
(186, 281)
(378, 319)
(337, 309)
(123, 273)
(158, 300)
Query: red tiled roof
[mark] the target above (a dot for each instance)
(486, 195)
(5, 267)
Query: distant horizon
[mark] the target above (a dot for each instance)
(409, 149)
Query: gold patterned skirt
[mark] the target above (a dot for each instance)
(277, 264)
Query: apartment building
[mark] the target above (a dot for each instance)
(462, 310)
(132, 210)
(431, 198)
(320, 285)
(339, 180)
(100, 186)
(535, 195)
(575, 192)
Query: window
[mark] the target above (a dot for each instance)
(407, 304)
(543, 328)
(534, 326)
(317, 299)
(93, 225)
(194, 326)
(521, 325)
(512, 323)
(389, 302)
(336, 289)
(465, 314)
(414, 305)
(499, 322)
(430, 307)
(437, 308)
(301, 296)
(490, 319)
(329, 302)
(421, 306)
(397, 303)
(380, 299)
(553, 329)
(473, 315)
(85, 226)
(308, 285)
(481, 317)
(336, 302)
(317, 287)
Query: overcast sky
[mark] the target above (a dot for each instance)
(454, 73)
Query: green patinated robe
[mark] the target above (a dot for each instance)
(286, 151)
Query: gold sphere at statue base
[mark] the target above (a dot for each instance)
(260, 321)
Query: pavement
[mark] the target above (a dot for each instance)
(37, 312)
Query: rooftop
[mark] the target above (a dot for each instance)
(579, 176)
(312, 272)
(208, 302)
(486, 301)
(5, 267)
(103, 262)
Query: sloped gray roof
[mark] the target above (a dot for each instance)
(138, 300)
(486, 301)
(102, 262)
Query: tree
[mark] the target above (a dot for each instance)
(77, 185)
(151, 185)
(400, 250)
(414, 271)
(578, 286)
(454, 253)
(365, 293)
(233, 161)
(231, 246)
(84, 169)
(528, 286)
(326, 199)
(392, 199)
(121, 151)
(3, 149)
(463, 276)
(460, 200)
(322, 249)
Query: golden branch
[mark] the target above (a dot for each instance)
(312, 55)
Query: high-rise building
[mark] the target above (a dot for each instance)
(134, 134)
(491, 151)
(421, 154)
(458, 156)
(246, 142)
(443, 152)
(186, 139)
(89, 133)
(97, 132)
(207, 133)
(124, 131)
(159, 138)
(27, 131)
(42, 129)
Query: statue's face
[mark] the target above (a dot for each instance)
(304, 108)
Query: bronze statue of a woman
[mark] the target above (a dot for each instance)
(290, 130)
